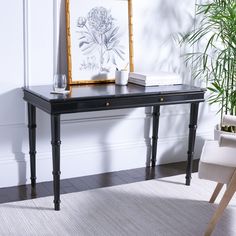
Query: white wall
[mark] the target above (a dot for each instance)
(92, 142)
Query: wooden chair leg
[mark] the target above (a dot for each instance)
(222, 205)
(216, 192)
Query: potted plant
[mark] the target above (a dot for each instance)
(214, 56)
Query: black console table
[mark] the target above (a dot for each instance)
(105, 97)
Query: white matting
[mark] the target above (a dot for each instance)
(164, 207)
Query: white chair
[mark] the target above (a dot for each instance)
(218, 163)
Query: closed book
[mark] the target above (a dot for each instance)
(155, 82)
(142, 82)
(158, 76)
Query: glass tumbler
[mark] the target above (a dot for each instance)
(59, 82)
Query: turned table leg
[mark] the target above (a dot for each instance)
(155, 127)
(191, 140)
(32, 142)
(56, 142)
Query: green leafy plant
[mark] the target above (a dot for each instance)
(214, 56)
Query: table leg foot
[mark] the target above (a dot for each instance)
(57, 205)
(188, 180)
(153, 164)
(33, 182)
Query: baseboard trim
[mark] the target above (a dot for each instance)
(94, 159)
(70, 151)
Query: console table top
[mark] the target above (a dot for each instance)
(93, 91)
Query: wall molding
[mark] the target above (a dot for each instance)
(88, 119)
(71, 152)
(118, 117)
(56, 10)
(26, 41)
(13, 125)
(26, 48)
(104, 118)
(93, 159)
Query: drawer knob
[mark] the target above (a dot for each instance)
(162, 99)
(108, 104)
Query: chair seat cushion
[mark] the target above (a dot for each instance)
(222, 156)
(217, 173)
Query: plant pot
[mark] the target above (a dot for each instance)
(218, 132)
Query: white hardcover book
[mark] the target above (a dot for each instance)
(156, 82)
(158, 76)
(142, 82)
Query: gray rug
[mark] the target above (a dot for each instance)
(164, 207)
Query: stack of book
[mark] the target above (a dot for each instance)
(160, 78)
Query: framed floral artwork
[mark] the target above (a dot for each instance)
(99, 39)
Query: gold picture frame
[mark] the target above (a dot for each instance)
(75, 45)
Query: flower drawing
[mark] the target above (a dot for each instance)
(99, 38)
(100, 20)
(81, 22)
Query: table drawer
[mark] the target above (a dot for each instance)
(124, 102)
